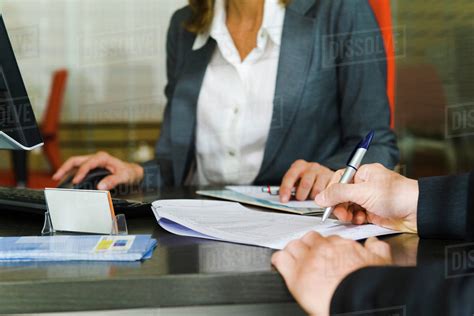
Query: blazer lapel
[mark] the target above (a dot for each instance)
(183, 113)
(295, 58)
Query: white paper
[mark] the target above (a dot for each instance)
(233, 222)
(256, 192)
(80, 211)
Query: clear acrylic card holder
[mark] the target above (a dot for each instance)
(75, 209)
(119, 226)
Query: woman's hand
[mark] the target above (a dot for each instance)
(309, 178)
(122, 172)
(378, 196)
(314, 266)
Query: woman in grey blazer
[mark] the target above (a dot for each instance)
(311, 79)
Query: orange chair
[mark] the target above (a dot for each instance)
(383, 14)
(49, 130)
(421, 118)
(50, 124)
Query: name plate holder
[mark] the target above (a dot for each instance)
(83, 212)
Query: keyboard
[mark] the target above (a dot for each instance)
(33, 201)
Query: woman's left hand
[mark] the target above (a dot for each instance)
(309, 179)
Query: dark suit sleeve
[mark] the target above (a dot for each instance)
(445, 210)
(362, 76)
(445, 207)
(158, 172)
(404, 291)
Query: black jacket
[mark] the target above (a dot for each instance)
(330, 92)
(442, 287)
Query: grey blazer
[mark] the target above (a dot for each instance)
(330, 91)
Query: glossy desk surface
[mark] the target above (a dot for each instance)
(183, 271)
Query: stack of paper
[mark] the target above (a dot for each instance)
(233, 222)
(77, 248)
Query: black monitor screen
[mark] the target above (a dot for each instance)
(18, 127)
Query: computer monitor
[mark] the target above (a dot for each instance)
(18, 127)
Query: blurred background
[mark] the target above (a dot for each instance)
(113, 55)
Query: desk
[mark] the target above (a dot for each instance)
(183, 274)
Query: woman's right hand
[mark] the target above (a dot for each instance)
(121, 172)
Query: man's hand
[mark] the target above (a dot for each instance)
(122, 172)
(313, 266)
(378, 196)
(308, 178)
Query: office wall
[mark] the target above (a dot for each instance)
(437, 106)
(114, 50)
(441, 33)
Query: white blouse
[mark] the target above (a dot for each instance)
(235, 104)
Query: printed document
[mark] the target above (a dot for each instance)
(232, 222)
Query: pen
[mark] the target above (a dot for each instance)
(353, 164)
(274, 190)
